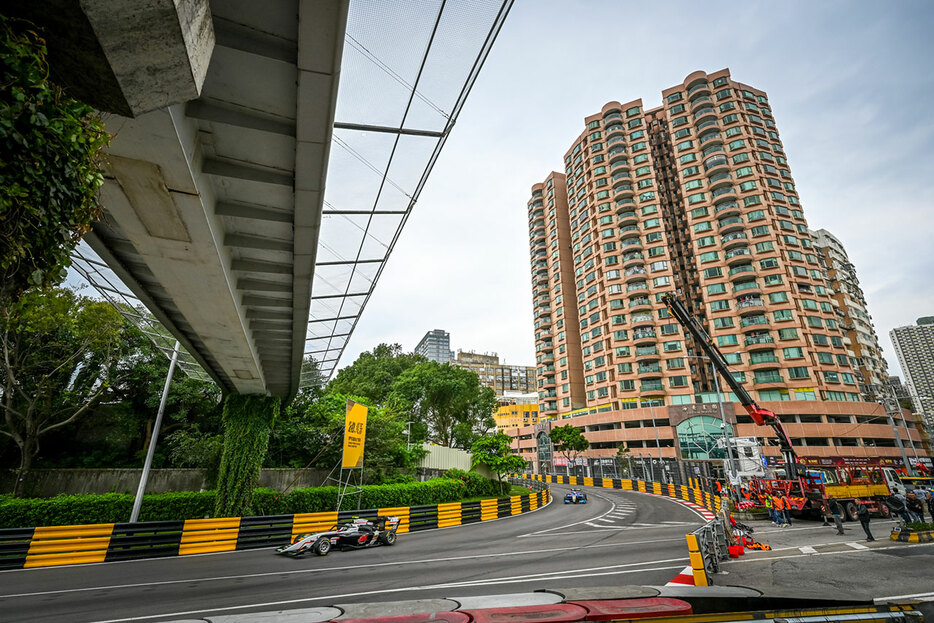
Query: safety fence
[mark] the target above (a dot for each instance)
(47, 546)
(696, 491)
(707, 546)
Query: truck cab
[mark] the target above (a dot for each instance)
(894, 483)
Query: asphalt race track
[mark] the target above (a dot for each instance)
(618, 537)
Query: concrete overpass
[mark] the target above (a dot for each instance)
(265, 158)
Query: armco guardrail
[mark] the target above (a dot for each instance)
(48, 546)
(690, 493)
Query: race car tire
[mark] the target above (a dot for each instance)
(321, 547)
(388, 539)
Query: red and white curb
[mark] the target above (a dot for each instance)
(685, 578)
(700, 510)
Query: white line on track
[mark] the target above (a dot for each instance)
(332, 569)
(577, 573)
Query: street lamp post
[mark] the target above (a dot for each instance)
(889, 410)
(657, 446)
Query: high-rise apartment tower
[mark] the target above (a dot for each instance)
(853, 317)
(914, 346)
(694, 197)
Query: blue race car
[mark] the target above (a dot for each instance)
(575, 497)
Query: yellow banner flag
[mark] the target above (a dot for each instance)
(354, 435)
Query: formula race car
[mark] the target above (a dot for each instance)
(357, 534)
(575, 497)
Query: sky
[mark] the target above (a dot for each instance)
(851, 87)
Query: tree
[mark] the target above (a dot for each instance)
(50, 171)
(312, 435)
(58, 356)
(624, 461)
(447, 404)
(569, 441)
(495, 451)
(373, 373)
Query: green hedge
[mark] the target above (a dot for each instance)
(67, 510)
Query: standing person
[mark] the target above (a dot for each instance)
(837, 513)
(786, 513)
(769, 507)
(825, 513)
(779, 507)
(915, 509)
(863, 514)
(899, 505)
(930, 502)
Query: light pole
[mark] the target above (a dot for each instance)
(724, 426)
(657, 446)
(891, 408)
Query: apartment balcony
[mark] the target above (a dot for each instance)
(750, 304)
(644, 335)
(700, 100)
(711, 123)
(627, 217)
(751, 321)
(749, 287)
(737, 255)
(652, 370)
(635, 273)
(704, 113)
(631, 243)
(763, 359)
(610, 116)
(742, 268)
(639, 301)
(653, 387)
(699, 89)
(549, 394)
(614, 127)
(767, 377)
(628, 230)
(734, 239)
(641, 318)
(716, 163)
(637, 285)
(722, 192)
(730, 223)
(633, 256)
(759, 339)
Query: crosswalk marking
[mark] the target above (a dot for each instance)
(857, 545)
(807, 549)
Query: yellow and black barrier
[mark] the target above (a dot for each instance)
(912, 536)
(691, 493)
(48, 546)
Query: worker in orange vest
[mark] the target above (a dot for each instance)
(778, 503)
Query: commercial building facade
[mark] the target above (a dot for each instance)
(436, 346)
(860, 339)
(914, 347)
(694, 197)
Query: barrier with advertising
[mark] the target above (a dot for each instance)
(48, 546)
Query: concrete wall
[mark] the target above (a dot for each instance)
(441, 458)
(51, 482)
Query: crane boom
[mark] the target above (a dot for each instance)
(762, 417)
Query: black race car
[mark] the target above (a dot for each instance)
(575, 496)
(357, 534)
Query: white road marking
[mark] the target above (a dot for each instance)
(577, 573)
(915, 597)
(807, 549)
(855, 545)
(331, 569)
